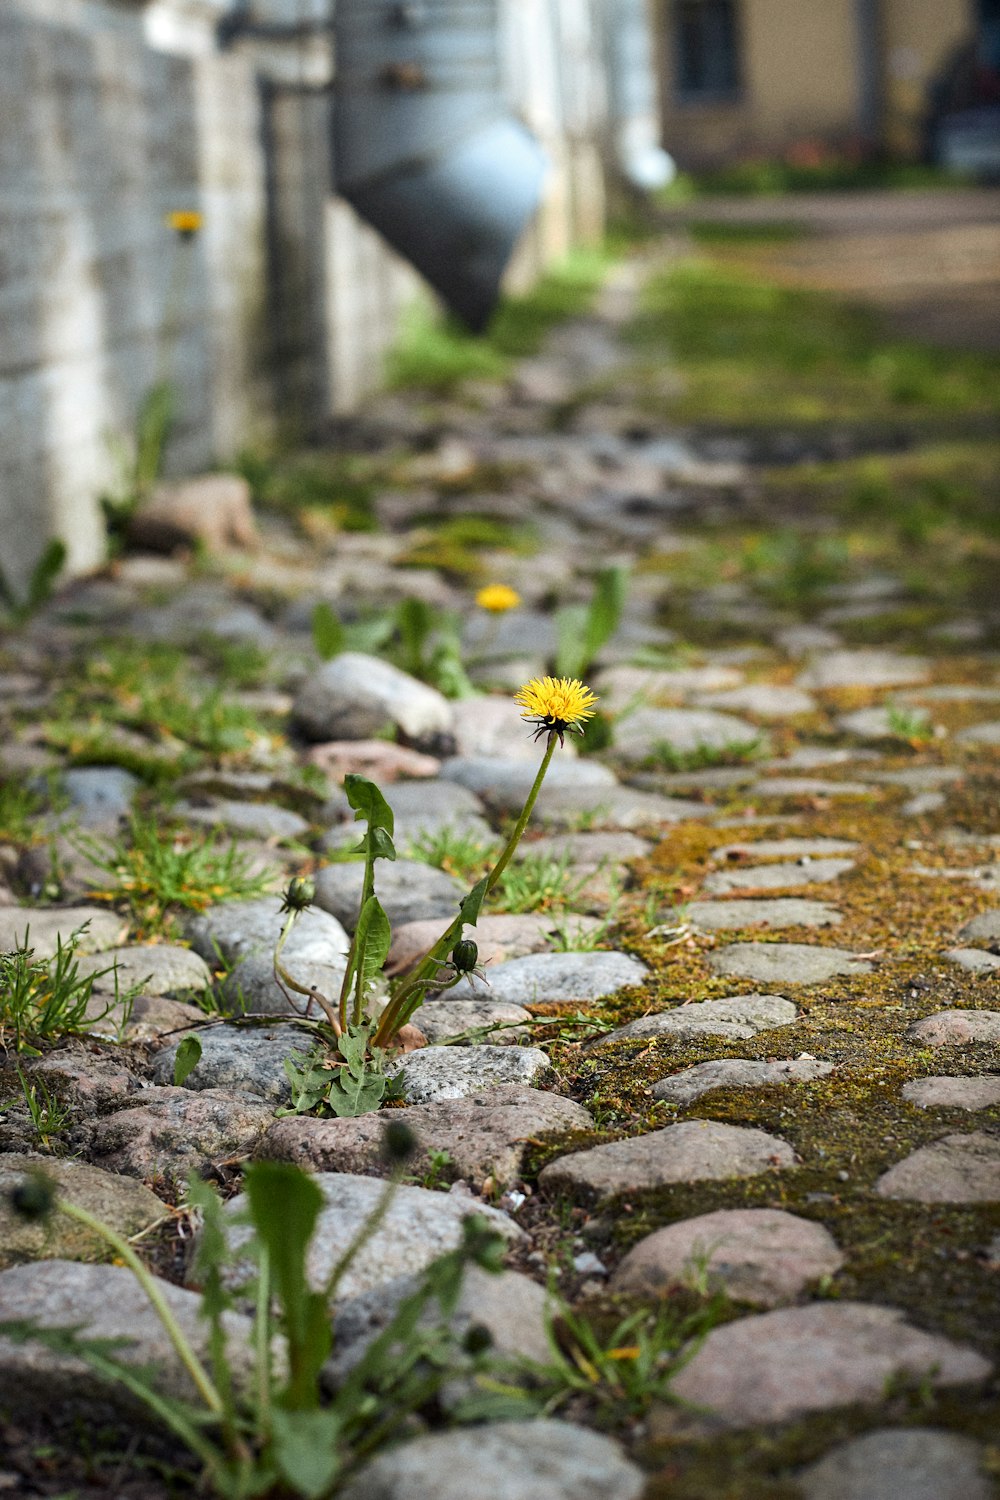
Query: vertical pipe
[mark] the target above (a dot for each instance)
(868, 28)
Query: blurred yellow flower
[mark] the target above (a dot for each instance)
(555, 705)
(186, 221)
(497, 597)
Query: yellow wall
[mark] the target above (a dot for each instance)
(918, 37)
(800, 66)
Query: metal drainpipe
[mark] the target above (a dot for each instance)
(869, 54)
(425, 147)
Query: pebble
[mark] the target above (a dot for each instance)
(918, 1463)
(736, 1073)
(779, 912)
(980, 734)
(97, 929)
(956, 1028)
(454, 1072)
(954, 1093)
(419, 1225)
(567, 978)
(257, 820)
(239, 1057)
(869, 669)
(758, 1255)
(625, 687)
(785, 963)
(763, 700)
(983, 930)
(782, 1365)
(973, 959)
(408, 889)
(234, 929)
(738, 1017)
(251, 988)
(159, 968)
(694, 1151)
(486, 1134)
(955, 1169)
(537, 1460)
(98, 795)
(777, 876)
(175, 1132)
(358, 697)
(121, 1203)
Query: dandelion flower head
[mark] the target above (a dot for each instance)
(498, 597)
(555, 705)
(186, 221)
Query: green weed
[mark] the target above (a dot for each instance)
(702, 757)
(41, 584)
(536, 882)
(792, 568)
(336, 489)
(460, 854)
(19, 807)
(582, 629)
(40, 1001)
(48, 1117)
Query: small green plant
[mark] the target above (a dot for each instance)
(429, 647)
(140, 462)
(277, 1434)
(19, 807)
(41, 584)
(48, 1116)
(909, 724)
(461, 854)
(536, 882)
(154, 870)
(41, 1002)
(704, 756)
(582, 629)
(793, 569)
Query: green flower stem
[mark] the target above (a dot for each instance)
(161, 1307)
(282, 978)
(402, 1006)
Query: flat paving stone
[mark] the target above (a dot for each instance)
(759, 1255)
(983, 931)
(739, 1018)
(588, 848)
(123, 1204)
(682, 730)
(782, 1365)
(238, 1057)
(544, 978)
(883, 724)
(443, 1018)
(956, 1169)
(954, 1093)
(736, 1073)
(976, 960)
(785, 963)
(538, 1460)
(175, 1132)
(160, 969)
(235, 929)
(409, 891)
(454, 1072)
(956, 1028)
(694, 1151)
(625, 687)
(498, 938)
(98, 795)
(258, 820)
(251, 989)
(612, 807)
(763, 700)
(504, 784)
(779, 876)
(818, 848)
(44, 927)
(980, 734)
(778, 912)
(864, 668)
(486, 1134)
(912, 1463)
(811, 786)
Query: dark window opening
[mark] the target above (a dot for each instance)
(706, 49)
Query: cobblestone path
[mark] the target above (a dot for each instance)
(769, 883)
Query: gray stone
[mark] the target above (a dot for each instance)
(492, 727)
(98, 795)
(83, 1075)
(983, 931)
(258, 820)
(160, 969)
(449, 1018)
(537, 1460)
(922, 804)
(683, 730)
(44, 927)
(785, 963)
(251, 988)
(973, 959)
(954, 1093)
(454, 1072)
(429, 795)
(956, 1028)
(739, 1017)
(486, 1135)
(504, 784)
(625, 687)
(956, 1169)
(758, 1255)
(918, 1463)
(736, 1073)
(864, 668)
(409, 891)
(694, 1151)
(175, 1133)
(800, 640)
(778, 1366)
(144, 1019)
(122, 1204)
(919, 778)
(498, 938)
(238, 1057)
(787, 911)
(357, 697)
(212, 509)
(812, 786)
(235, 929)
(881, 723)
(764, 700)
(805, 871)
(419, 1225)
(588, 848)
(612, 807)
(980, 734)
(819, 848)
(541, 978)
(102, 1302)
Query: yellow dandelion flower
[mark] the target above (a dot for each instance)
(186, 221)
(497, 597)
(555, 704)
